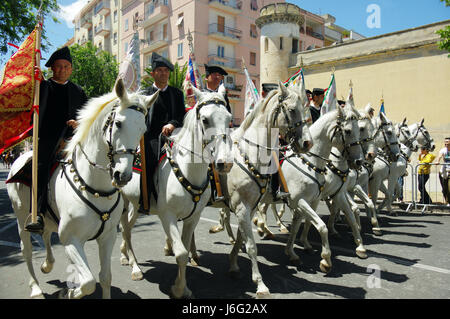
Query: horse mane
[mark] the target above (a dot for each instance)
(87, 116)
(188, 124)
(260, 108)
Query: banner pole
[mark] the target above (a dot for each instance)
(34, 168)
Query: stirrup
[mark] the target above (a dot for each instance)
(219, 198)
(281, 196)
(37, 227)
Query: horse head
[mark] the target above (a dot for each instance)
(346, 134)
(405, 137)
(366, 132)
(289, 114)
(422, 135)
(385, 137)
(123, 129)
(213, 119)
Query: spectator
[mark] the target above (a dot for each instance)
(444, 153)
(424, 174)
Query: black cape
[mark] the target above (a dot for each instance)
(315, 114)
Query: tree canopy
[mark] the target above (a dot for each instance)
(176, 77)
(94, 70)
(444, 44)
(18, 19)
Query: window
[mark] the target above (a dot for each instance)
(281, 43)
(253, 32)
(165, 54)
(252, 58)
(115, 37)
(220, 24)
(294, 45)
(126, 47)
(266, 45)
(254, 5)
(220, 51)
(164, 31)
(126, 24)
(180, 20)
(180, 50)
(115, 15)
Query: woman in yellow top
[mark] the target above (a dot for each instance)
(424, 174)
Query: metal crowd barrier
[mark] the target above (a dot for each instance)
(433, 188)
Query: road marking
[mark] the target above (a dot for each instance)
(350, 251)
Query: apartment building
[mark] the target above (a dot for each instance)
(99, 22)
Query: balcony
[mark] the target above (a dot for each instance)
(157, 42)
(333, 35)
(221, 32)
(86, 23)
(154, 12)
(102, 8)
(101, 30)
(314, 34)
(230, 6)
(231, 64)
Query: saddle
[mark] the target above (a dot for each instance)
(24, 174)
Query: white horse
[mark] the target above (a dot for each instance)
(422, 135)
(182, 182)
(84, 191)
(305, 176)
(408, 144)
(246, 184)
(387, 155)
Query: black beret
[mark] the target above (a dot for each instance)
(308, 92)
(63, 53)
(158, 61)
(213, 69)
(341, 102)
(267, 87)
(317, 91)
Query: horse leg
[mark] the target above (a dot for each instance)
(370, 209)
(263, 230)
(195, 259)
(49, 261)
(169, 223)
(311, 217)
(75, 253)
(245, 225)
(127, 221)
(27, 252)
(289, 249)
(343, 202)
(278, 215)
(218, 228)
(105, 248)
(234, 267)
(226, 222)
(331, 221)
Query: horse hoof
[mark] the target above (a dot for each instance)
(195, 261)
(124, 261)
(324, 266)
(168, 252)
(255, 221)
(377, 231)
(296, 262)
(187, 294)
(361, 254)
(284, 230)
(215, 229)
(268, 236)
(36, 293)
(136, 276)
(46, 267)
(263, 294)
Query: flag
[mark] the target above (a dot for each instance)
(295, 78)
(251, 94)
(194, 78)
(17, 89)
(382, 107)
(129, 69)
(329, 102)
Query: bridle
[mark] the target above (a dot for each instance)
(409, 139)
(387, 145)
(339, 128)
(428, 140)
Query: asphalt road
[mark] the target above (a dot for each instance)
(410, 260)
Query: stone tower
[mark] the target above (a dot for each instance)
(280, 32)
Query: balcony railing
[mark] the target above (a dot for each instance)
(232, 63)
(150, 7)
(215, 28)
(233, 4)
(158, 40)
(101, 30)
(314, 34)
(102, 8)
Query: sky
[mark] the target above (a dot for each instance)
(367, 17)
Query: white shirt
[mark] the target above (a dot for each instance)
(159, 88)
(446, 156)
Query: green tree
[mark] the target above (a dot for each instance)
(95, 71)
(176, 77)
(18, 19)
(444, 44)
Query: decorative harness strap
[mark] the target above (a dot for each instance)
(342, 174)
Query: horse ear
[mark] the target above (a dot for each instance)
(282, 89)
(151, 99)
(120, 89)
(404, 121)
(222, 90)
(197, 92)
(421, 122)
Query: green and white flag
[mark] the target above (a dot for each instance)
(329, 101)
(292, 81)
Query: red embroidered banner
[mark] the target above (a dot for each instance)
(17, 94)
